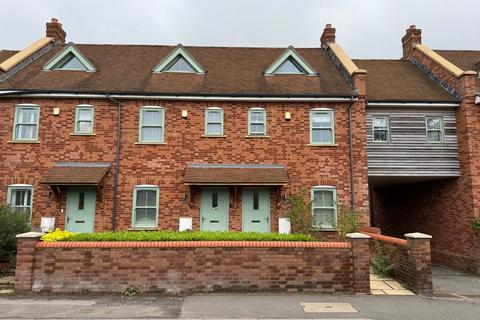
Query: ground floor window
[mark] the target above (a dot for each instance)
(19, 197)
(324, 207)
(145, 206)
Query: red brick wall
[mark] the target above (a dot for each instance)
(164, 165)
(411, 259)
(184, 267)
(433, 208)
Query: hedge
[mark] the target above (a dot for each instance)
(178, 236)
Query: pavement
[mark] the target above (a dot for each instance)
(455, 284)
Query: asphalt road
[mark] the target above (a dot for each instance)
(235, 306)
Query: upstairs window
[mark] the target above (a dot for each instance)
(145, 207)
(321, 127)
(70, 59)
(381, 129)
(19, 197)
(324, 207)
(180, 65)
(84, 119)
(290, 62)
(151, 125)
(26, 123)
(289, 66)
(179, 60)
(434, 126)
(214, 122)
(257, 122)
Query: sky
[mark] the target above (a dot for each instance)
(365, 29)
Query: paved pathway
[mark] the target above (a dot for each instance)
(449, 283)
(387, 286)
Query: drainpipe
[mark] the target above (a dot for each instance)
(117, 161)
(350, 138)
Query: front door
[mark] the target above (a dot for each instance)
(80, 209)
(214, 209)
(256, 209)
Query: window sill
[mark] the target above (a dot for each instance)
(82, 134)
(252, 136)
(322, 145)
(143, 229)
(23, 141)
(151, 143)
(213, 136)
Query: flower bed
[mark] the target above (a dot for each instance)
(59, 235)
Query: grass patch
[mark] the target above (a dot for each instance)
(185, 236)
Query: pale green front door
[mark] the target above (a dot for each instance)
(256, 209)
(80, 209)
(214, 209)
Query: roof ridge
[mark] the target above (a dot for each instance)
(188, 46)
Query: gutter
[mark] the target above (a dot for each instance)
(413, 104)
(117, 160)
(246, 98)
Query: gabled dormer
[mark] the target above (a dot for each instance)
(290, 62)
(179, 60)
(70, 59)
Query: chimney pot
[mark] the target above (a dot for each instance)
(412, 37)
(54, 30)
(328, 36)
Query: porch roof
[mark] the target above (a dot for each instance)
(75, 173)
(235, 174)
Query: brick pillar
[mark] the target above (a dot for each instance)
(25, 258)
(419, 257)
(361, 261)
(476, 248)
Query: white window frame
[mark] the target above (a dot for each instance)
(134, 206)
(331, 113)
(328, 189)
(13, 187)
(441, 130)
(17, 124)
(207, 111)
(251, 111)
(381, 129)
(78, 108)
(141, 139)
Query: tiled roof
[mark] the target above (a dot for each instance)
(400, 80)
(5, 54)
(464, 59)
(243, 174)
(75, 173)
(229, 71)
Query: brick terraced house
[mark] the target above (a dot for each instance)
(104, 137)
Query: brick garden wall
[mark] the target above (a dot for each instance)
(411, 259)
(183, 267)
(164, 165)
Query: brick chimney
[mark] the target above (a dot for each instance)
(412, 37)
(55, 31)
(328, 36)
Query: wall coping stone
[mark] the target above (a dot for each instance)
(29, 235)
(193, 244)
(418, 235)
(357, 235)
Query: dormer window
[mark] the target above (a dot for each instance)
(289, 66)
(70, 59)
(179, 60)
(180, 65)
(290, 62)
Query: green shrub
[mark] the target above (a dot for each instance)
(300, 213)
(11, 224)
(380, 262)
(184, 236)
(476, 224)
(131, 291)
(347, 222)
